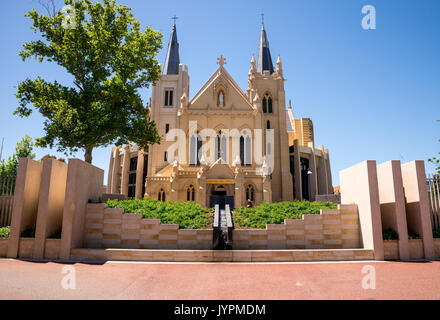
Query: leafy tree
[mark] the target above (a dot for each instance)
(102, 47)
(23, 149)
(436, 161)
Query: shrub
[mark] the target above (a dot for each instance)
(4, 232)
(390, 234)
(275, 213)
(436, 233)
(188, 215)
(412, 235)
(28, 233)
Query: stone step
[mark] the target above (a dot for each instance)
(221, 255)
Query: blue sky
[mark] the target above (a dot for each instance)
(372, 94)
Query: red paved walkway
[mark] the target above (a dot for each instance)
(394, 280)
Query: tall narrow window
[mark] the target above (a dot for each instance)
(221, 99)
(167, 128)
(199, 149)
(192, 151)
(190, 193)
(168, 101)
(268, 124)
(165, 156)
(267, 103)
(250, 193)
(242, 150)
(161, 195)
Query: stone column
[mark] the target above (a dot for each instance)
(238, 189)
(110, 172)
(329, 172)
(313, 187)
(125, 168)
(115, 171)
(267, 189)
(322, 178)
(297, 168)
(139, 174)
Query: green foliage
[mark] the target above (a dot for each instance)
(55, 235)
(275, 213)
(435, 161)
(188, 215)
(4, 232)
(412, 235)
(109, 59)
(23, 149)
(390, 234)
(436, 233)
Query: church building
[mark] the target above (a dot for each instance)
(233, 146)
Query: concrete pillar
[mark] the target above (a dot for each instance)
(313, 187)
(125, 168)
(110, 172)
(238, 190)
(202, 191)
(297, 168)
(322, 174)
(115, 171)
(139, 174)
(417, 204)
(392, 203)
(50, 203)
(84, 184)
(329, 172)
(359, 186)
(25, 205)
(267, 190)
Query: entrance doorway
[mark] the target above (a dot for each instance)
(219, 195)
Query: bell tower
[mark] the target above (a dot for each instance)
(266, 92)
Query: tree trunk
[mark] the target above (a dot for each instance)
(88, 154)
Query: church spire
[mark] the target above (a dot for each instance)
(264, 58)
(172, 60)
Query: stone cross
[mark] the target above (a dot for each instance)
(221, 61)
(174, 18)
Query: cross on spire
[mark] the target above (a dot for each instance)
(221, 61)
(174, 18)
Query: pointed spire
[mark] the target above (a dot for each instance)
(172, 60)
(264, 58)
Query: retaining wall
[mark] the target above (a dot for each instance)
(112, 228)
(331, 229)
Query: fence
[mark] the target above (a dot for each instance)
(433, 183)
(7, 186)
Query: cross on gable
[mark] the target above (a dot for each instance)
(221, 61)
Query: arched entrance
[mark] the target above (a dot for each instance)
(221, 194)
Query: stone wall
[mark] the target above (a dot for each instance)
(416, 249)
(112, 228)
(331, 229)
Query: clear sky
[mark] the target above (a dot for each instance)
(372, 94)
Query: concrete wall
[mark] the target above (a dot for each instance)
(417, 204)
(332, 229)
(359, 186)
(392, 203)
(24, 211)
(111, 228)
(50, 204)
(84, 184)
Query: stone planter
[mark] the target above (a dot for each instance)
(3, 247)
(416, 249)
(391, 249)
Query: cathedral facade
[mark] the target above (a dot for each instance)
(224, 145)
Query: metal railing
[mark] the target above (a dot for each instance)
(433, 184)
(7, 186)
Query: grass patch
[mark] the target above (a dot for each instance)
(5, 232)
(188, 215)
(390, 234)
(275, 213)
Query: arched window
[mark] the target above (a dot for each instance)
(267, 103)
(242, 150)
(161, 195)
(221, 99)
(190, 194)
(245, 149)
(250, 193)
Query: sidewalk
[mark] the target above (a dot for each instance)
(394, 280)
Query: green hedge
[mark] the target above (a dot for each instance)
(188, 215)
(436, 233)
(275, 213)
(390, 234)
(4, 232)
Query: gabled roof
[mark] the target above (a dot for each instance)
(222, 75)
(172, 60)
